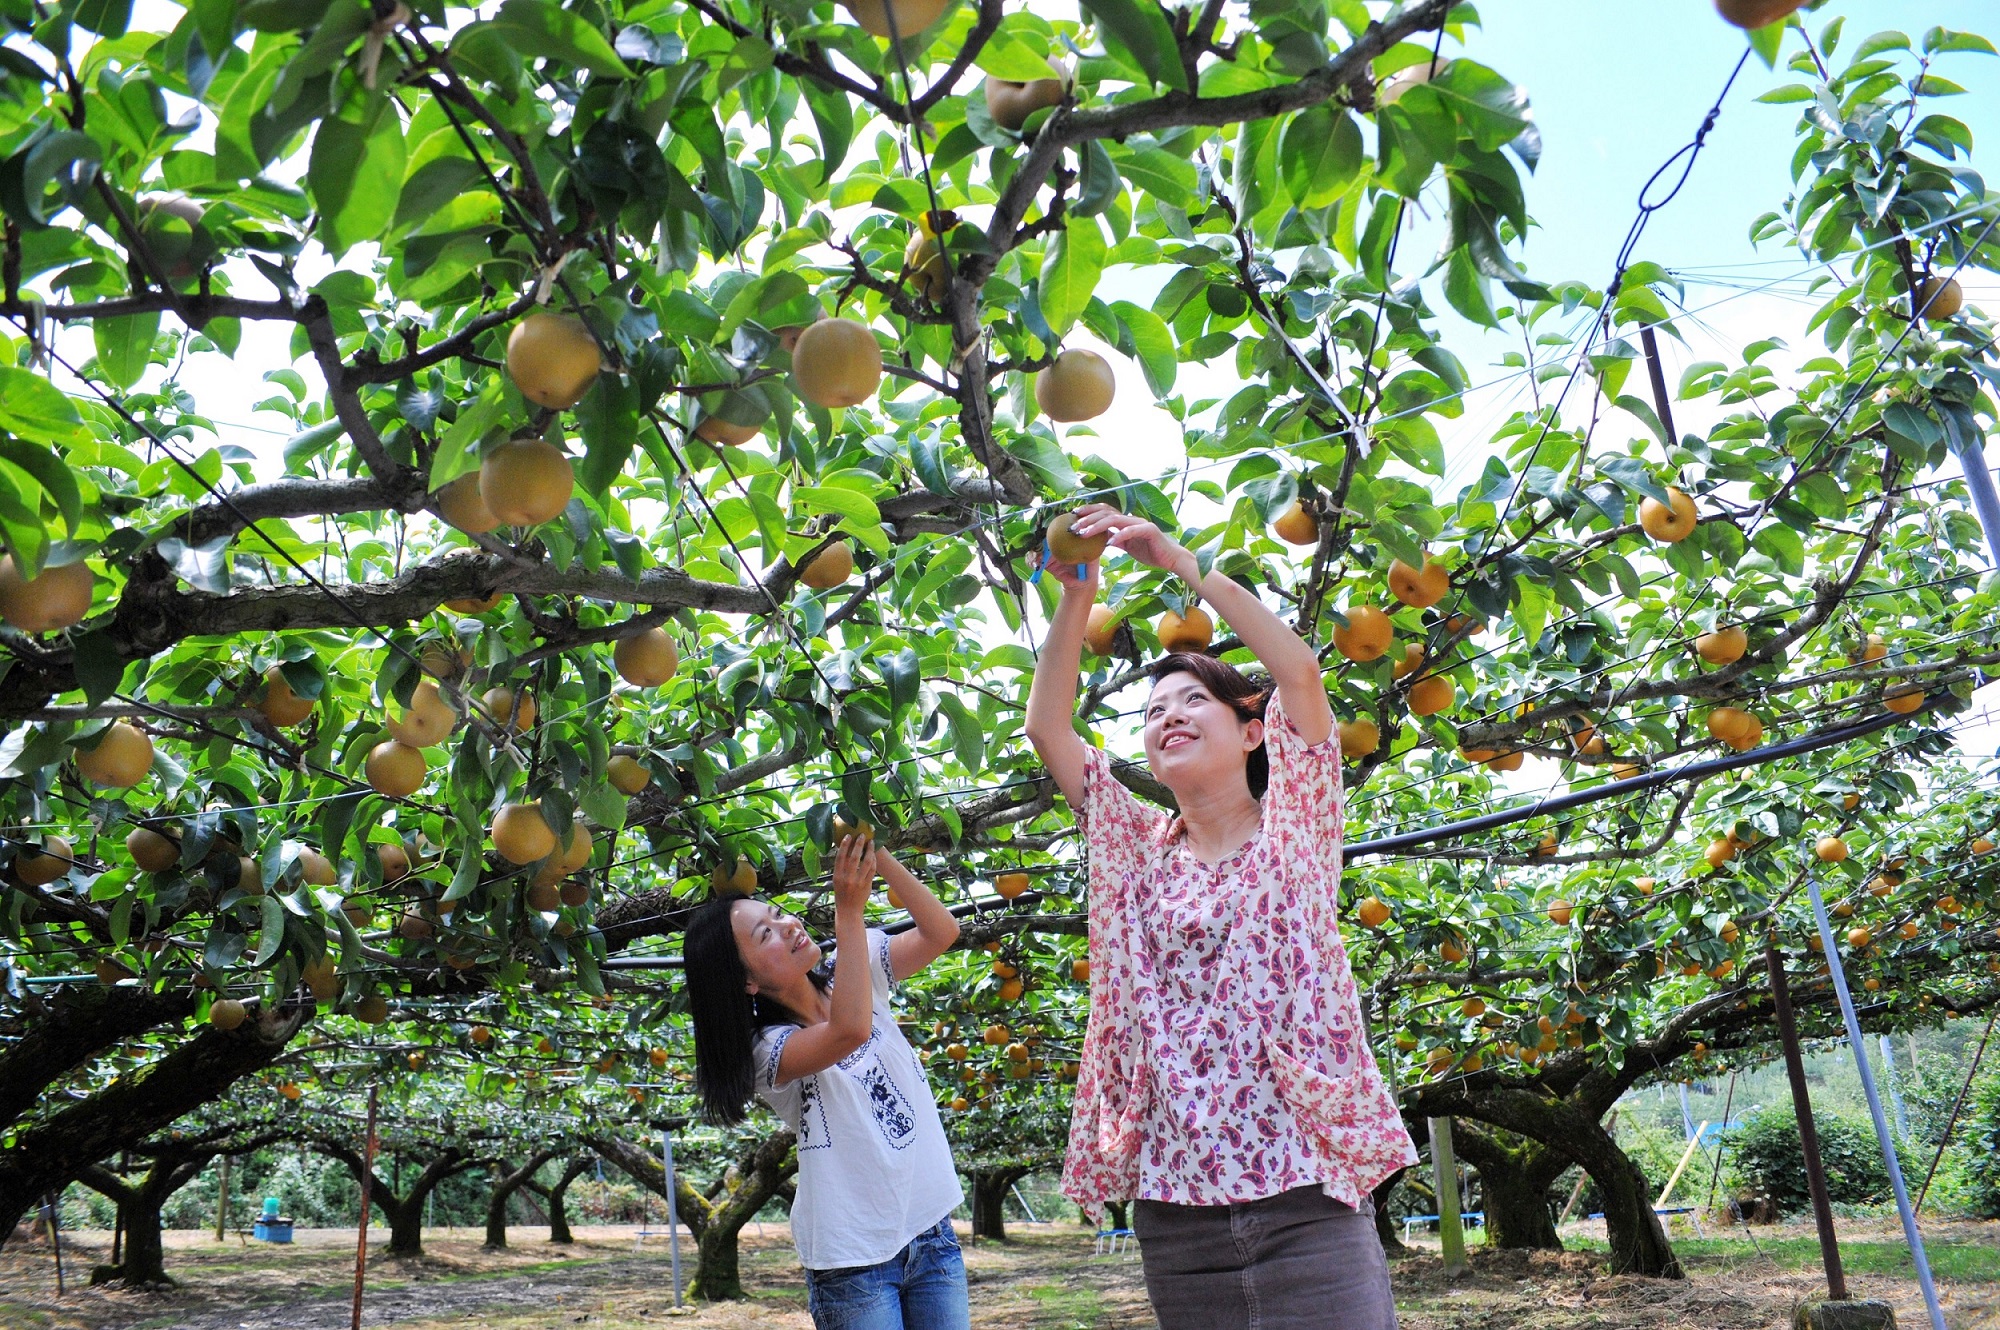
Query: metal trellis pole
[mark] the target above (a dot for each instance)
(1910, 1233)
(673, 1211)
(1889, 1079)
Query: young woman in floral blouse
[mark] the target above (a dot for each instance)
(1226, 1081)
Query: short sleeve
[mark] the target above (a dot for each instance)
(1113, 818)
(765, 1050)
(1304, 792)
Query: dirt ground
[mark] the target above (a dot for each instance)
(1044, 1278)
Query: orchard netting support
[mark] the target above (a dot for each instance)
(1882, 1133)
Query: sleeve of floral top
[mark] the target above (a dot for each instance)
(1102, 1160)
(1303, 798)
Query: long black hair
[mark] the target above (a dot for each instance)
(726, 1015)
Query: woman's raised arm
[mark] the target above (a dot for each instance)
(1052, 696)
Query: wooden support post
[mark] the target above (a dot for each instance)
(1444, 1173)
(1795, 1071)
(367, 1199)
(222, 1205)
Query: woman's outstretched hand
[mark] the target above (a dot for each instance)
(854, 870)
(1139, 538)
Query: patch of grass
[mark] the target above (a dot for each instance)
(1065, 1308)
(1965, 1262)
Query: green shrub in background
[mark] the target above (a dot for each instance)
(1769, 1159)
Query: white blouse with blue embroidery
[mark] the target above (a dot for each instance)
(874, 1168)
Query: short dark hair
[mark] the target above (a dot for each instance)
(726, 1015)
(1245, 696)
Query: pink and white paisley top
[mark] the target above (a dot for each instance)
(1225, 1057)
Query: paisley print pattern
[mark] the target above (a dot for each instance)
(1225, 1058)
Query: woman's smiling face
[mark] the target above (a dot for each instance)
(1193, 736)
(774, 945)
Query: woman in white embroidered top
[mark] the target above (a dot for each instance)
(1226, 1082)
(872, 1220)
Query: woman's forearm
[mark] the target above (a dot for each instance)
(1052, 695)
(935, 924)
(852, 992)
(1283, 652)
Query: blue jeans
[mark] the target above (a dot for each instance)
(922, 1287)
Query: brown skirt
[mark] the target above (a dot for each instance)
(1295, 1261)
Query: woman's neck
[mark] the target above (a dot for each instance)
(1217, 823)
(803, 999)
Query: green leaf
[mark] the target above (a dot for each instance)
(51, 473)
(271, 935)
(1153, 345)
(1768, 40)
(356, 174)
(834, 118)
(125, 345)
(1046, 460)
(1321, 153)
(1636, 407)
(1097, 182)
(904, 674)
(927, 460)
(539, 29)
(1492, 111)
(1009, 55)
(608, 416)
(852, 505)
(1465, 288)
(1139, 28)
(67, 160)
(458, 449)
(968, 733)
(1157, 172)
(1631, 473)
(310, 443)
(1531, 611)
(99, 666)
(38, 411)
(1069, 274)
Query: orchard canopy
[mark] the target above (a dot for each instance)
(680, 393)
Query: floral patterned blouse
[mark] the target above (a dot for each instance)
(1225, 1058)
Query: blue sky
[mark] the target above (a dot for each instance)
(1619, 85)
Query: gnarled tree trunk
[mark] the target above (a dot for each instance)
(717, 1220)
(405, 1213)
(557, 1196)
(505, 1183)
(1385, 1227)
(1638, 1243)
(1515, 1176)
(989, 1198)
